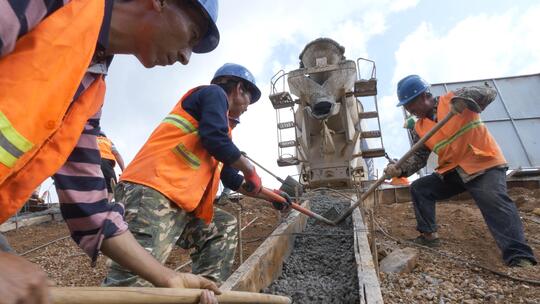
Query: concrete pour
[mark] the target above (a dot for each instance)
(321, 269)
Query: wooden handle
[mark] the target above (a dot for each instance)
(148, 295)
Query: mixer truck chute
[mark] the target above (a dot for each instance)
(321, 122)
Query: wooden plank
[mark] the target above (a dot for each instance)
(43, 217)
(265, 264)
(369, 287)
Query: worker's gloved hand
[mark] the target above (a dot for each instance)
(22, 281)
(253, 183)
(392, 170)
(282, 206)
(459, 104)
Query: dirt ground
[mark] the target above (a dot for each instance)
(438, 279)
(67, 265)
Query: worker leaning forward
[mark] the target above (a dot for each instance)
(53, 57)
(469, 159)
(170, 186)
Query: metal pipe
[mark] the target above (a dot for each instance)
(260, 166)
(239, 225)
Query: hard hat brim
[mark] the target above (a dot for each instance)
(408, 100)
(255, 93)
(211, 39)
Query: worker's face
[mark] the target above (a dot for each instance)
(239, 100)
(420, 107)
(168, 33)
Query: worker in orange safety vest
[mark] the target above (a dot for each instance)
(53, 58)
(109, 158)
(170, 186)
(469, 159)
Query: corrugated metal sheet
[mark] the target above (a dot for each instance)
(513, 117)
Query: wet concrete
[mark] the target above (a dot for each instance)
(321, 269)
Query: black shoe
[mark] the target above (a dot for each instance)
(519, 262)
(421, 240)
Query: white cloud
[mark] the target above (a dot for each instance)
(477, 47)
(401, 5)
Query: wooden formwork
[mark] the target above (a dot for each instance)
(36, 218)
(368, 280)
(265, 264)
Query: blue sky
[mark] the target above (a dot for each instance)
(440, 40)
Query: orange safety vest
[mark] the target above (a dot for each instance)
(105, 148)
(463, 141)
(174, 162)
(399, 181)
(38, 127)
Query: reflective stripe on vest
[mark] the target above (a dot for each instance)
(180, 122)
(187, 127)
(191, 159)
(12, 144)
(471, 125)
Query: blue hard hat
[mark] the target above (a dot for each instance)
(210, 40)
(409, 88)
(238, 71)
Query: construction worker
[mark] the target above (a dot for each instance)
(469, 160)
(53, 56)
(170, 186)
(109, 157)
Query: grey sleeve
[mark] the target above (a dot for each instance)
(418, 160)
(482, 95)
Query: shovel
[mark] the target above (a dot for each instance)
(289, 185)
(453, 111)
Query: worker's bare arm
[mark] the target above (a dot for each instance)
(126, 251)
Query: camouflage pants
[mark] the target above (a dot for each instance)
(158, 224)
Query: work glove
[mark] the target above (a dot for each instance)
(392, 170)
(459, 104)
(283, 207)
(253, 183)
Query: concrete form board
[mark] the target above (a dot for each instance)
(32, 219)
(513, 118)
(265, 264)
(368, 281)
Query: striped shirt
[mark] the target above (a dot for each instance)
(81, 188)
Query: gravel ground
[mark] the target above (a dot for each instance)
(321, 269)
(438, 279)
